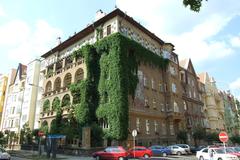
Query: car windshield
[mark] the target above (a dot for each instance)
(229, 150)
(237, 149)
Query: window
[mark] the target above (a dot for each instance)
(154, 104)
(190, 94)
(176, 109)
(138, 124)
(174, 88)
(108, 29)
(11, 123)
(146, 102)
(171, 128)
(155, 126)
(145, 81)
(184, 105)
(166, 89)
(182, 77)
(147, 127)
(153, 84)
(194, 94)
(162, 107)
(13, 110)
(172, 70)
(164, 129)
(161, 87)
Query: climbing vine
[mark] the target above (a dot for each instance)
(112, 65)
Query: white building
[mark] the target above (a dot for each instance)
(20, 104)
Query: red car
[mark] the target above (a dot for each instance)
(111, 153)
(140, 151)
(232, 151)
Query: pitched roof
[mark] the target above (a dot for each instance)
(89, 29)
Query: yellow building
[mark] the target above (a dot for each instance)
(3, 88)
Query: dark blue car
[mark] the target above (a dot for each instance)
(160, 150)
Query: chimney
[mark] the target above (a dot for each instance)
(99, 14)
(59, 40)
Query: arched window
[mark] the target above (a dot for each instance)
(44, 127)
(67, 79)
(55, 103)
(79, 75)
(57, 84)
(66, 100)
(46, 105)
(48, 87)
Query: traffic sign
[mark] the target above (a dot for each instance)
(134, 133)
(223, 137)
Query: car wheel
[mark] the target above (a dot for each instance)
(98, 158)
(179, 153)
(219, 158)
(164, 154)
(201, 158)
(120, 158)
(146, 156)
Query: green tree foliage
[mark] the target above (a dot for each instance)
(46, 105)
(212, 137)
(199, 134)
(182, 136)
(195, 5)
(3, 140)
(56, 104)
(26, 134)
(235, 139)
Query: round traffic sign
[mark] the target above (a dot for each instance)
(223, 137)
(134, 133)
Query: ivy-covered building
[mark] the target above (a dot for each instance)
(118, 75)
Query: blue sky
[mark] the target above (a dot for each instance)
(210, 38)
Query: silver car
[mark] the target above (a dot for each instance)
(4, 154)
(177, 150)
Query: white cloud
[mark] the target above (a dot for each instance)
(235, 84)
(191, 33)
(23, 43)
(235, 41)
(2, 12)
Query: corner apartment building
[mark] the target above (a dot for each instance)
(3, 89)
(21, 96)
(231, 117)
(157, 111)
(192, 102)
(213, 104)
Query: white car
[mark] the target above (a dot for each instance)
(177, 150)
(214, 154)
(4, 154)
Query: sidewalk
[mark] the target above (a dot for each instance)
(26, 154)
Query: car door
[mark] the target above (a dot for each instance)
(107, 154)
(155, 150)
(205, 154)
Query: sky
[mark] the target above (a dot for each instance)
(211, 38)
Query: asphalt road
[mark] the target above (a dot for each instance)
(189, 157)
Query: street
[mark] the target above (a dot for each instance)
(190, 157)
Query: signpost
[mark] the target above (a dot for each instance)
(223, 137)
(134, 134)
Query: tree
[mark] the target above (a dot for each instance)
(198, 134)
(195, 5)
(3, 139)
(182, 136)
(26, 134)
(235, 139)
(212, 137)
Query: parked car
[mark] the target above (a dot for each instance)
(194, 149)
(237, 149)
(177, 150)
(186, 147)
(232, 151)
(215, 154)
(4, 154)
(113, 153)
(140, 151)
(160, 150)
